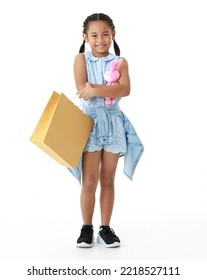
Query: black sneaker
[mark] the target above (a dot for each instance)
(108, 237)
(85, 239)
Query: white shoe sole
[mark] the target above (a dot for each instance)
(84, 245)
(113, 245)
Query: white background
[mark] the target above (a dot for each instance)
(162, 213)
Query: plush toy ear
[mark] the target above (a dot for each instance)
(115, 64)
(118, 62)
(112, 65)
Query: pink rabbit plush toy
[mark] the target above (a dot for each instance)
(112, 77)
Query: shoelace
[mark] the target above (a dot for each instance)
(109, 231)
(86, 230)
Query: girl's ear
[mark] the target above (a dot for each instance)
(113, 35)
(85, 37)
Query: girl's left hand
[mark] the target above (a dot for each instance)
(86, 93)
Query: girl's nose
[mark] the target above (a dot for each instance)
(100, 39)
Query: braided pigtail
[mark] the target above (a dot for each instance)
(82, 47)
(116, 48)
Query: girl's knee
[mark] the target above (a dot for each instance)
(89, 184)
(107, 182)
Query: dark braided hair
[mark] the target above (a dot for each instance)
(95, 17)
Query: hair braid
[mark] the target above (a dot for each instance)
(82, 47)
(116, 48)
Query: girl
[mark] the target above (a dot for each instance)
(112, 134)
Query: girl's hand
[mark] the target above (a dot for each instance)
(86, 93)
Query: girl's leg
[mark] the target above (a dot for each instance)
(90, 172)
(107, 176)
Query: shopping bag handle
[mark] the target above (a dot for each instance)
(75, 103)
(75, 96)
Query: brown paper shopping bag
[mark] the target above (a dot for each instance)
(62, 130)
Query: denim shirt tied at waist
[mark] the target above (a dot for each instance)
(101, 116)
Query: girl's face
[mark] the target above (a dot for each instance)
(99, 36)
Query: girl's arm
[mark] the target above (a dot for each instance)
(87, 91)
(79, 70)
